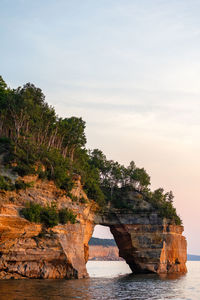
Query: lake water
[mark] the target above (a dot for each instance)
(109, 281)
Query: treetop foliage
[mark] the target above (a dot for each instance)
(32, 134)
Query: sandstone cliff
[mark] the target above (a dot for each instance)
(152, 248)
(27, 251)
(147, 242)
(34, 140)
(104, 253)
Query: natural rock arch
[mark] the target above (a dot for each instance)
(148, 243)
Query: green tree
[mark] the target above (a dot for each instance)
(73, 135)
(139, 178)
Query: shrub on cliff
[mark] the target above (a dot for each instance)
(22, 185)
(166, 210)
(36, 213)
(6, 184)
(32, 212)
(48, 215)
(163, 203)
(94, 191)
(24, 169)
(66, 215)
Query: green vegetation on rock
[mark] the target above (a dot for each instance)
(34, 140)
(21, 185)
(66, 215)
(6, 184)
(48, 215)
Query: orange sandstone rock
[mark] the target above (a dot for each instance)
(97, 252)
(152, 248)
(27, 251)
(147, 242)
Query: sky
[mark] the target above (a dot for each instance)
(130, 69)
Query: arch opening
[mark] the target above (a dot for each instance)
(104, 259)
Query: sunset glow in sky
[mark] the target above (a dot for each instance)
(130, 69)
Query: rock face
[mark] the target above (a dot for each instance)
(27, 251)
(61, 253)
(104, 253)
(152, 248)
(148, 243)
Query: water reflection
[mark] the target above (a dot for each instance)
(150, 286)
(110, 288)
(45, 289)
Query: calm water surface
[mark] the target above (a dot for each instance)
(109, 280)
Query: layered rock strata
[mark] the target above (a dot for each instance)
(29, 251)
(104, 253)
(147, 242)
(152, 248)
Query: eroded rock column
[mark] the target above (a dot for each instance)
(152, 248)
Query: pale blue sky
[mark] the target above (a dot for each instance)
(130, 68)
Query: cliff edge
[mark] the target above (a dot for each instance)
(27, 250)
(147, 242)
